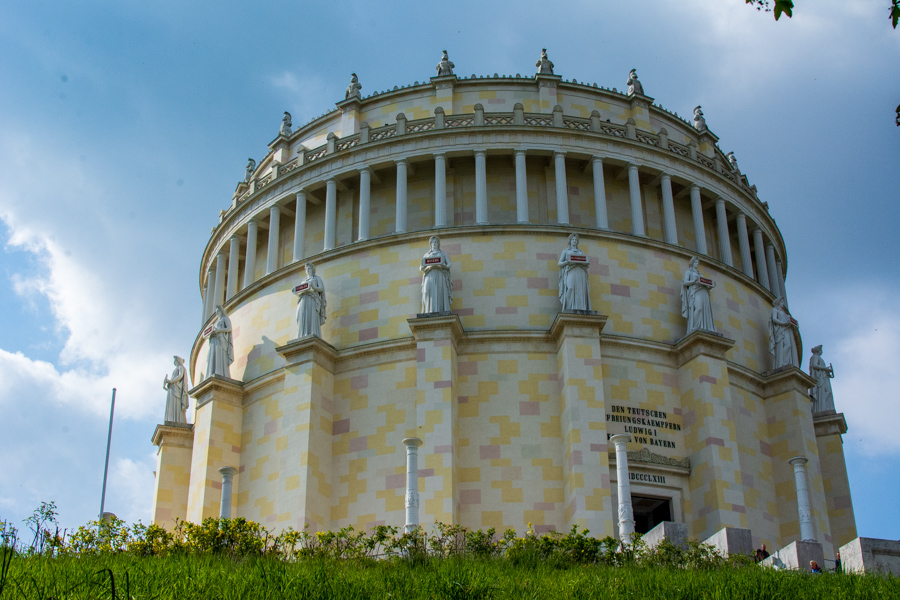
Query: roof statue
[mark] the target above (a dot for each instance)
(732, 161)
(545, 67)
(248, 170)
(823, 398)
(445, 67)
(353, 88)
(286, 125)
(699, 120)
(634, 86)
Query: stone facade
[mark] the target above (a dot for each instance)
(513, 401)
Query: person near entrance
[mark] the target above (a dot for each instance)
(761, 554)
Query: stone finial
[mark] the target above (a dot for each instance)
(545, 67)
(286, 125)
(445, 67)
(732, 161)
(353, 88)
(634, 86)
(248, 170)
(699, 120)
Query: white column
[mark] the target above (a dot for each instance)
(274, 239)
(773, 271)
(330, 213)
(225, 503)
(762, 273)
(412, 483)
(626, 515)
(300, 226)
(599, 193)
(807, 534)
(637, 206)
(697, 211)
(481, 209)
(234, 261)
(521, 188)
(365, 199)
(669, 210)
(440, 190)
(562, 189)
(724, 239)
(219, 297)
(744, 244)
(250, 254)
(207, 295)
(779, 272)
(400, 214)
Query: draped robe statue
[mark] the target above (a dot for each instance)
(311, 304)
(221, 350)
(574, 290)
(823, 399)
(436, 283)
(695, 303)
(176, 393)
(445, 67)
(782, 343)
(543, 64)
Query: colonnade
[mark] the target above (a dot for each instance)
(769, 271)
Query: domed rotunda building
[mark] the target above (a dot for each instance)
(552, 344)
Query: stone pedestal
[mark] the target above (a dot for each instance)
(796, 556)
(175, 442)
(730, 541)
(309, 375)
(829, 426)
(217, 443)
(710, 439)
(792, 433)
(870, 555)
(676, 533)
(583, 420)
(437, 394)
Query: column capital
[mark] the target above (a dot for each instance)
(664, 175)
(364, 169)
(770, 245)
(228, 472)
(236, 237)
(720, 199)
(596, 158)
(412, 442)
(632, 165)
(519, 151)
(479, 152)
(694, 186)
(559, 153)
(222, 252)
(620, 438)
(799, 461)
(439, 154)
(741, 215)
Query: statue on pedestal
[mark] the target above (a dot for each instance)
(782, 344)
(286, 125)
(176, 393)
(436, 283)
(354, 87)
(699, 119)
(248, 170)
(221, 350)
(823, 399)
(310, 304)
(695, 303)
(545, 67)
(574, 290)
(634, 86)
(445, 67)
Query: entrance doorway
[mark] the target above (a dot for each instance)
(650, 512)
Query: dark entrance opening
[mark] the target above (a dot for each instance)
(650, 512)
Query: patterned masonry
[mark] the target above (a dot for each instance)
(514, 401)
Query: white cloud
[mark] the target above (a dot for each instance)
(131, 487)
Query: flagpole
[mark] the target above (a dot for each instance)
(112, 409)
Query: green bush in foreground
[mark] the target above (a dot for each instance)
(236, 558)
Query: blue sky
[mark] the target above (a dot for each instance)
(126, 126)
